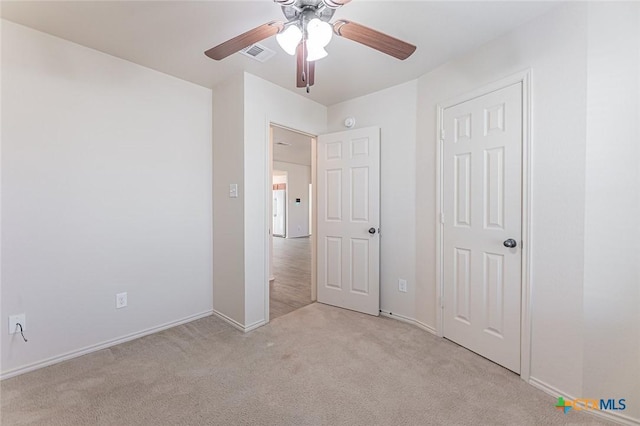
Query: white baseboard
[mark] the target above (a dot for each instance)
(415, 322)
(607, 415)
(99, 346)
(229, 320)
(255, 325)
(236, 324)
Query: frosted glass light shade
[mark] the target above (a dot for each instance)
(289, 39)
(319, 32)
(315, 52)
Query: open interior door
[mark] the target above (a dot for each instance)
(348, 220)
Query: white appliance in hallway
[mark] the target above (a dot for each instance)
(279, 212)
(482, 214)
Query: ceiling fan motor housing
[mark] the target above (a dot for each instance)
(308, 8)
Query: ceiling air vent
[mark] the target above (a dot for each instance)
(258, 52)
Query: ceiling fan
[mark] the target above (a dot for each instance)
(307, 31)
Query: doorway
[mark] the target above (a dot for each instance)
(290, 285)
(484, 206)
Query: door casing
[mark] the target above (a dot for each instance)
(268, 218)
(523, 77)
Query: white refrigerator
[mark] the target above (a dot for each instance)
(279, 212)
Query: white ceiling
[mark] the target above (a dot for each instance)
(171, 36)
(298, 151)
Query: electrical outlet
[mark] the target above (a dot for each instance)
(402, 285)
(121, 300)
(14, 320)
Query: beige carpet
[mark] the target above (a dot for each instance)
(316, 366)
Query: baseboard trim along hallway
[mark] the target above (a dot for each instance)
(235, 324)
(408, 320)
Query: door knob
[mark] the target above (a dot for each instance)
(511, 243)
(372, 231)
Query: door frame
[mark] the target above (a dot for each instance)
(269, 215)
(523, 77)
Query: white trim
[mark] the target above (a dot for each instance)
(440, 227)
(229, 320)
(548, 389)
(408, 320)
(314, 218)
(526, 299)
(235, 324)
(523, 77)
(607, 415)
(255, 325)
(99, 346)
(269, 222)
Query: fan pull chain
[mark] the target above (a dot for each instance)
(304, 62)
(306, 65)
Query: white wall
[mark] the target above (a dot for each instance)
(106, 188)
(279, 176)
(266, 103)
(584, 61)
(394, 110)
(228, 221)
(612, 206)
(554, 47)
(298, 180)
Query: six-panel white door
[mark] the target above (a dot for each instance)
(482, 175)
(348, 241)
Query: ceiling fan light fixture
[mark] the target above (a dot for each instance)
(289, 39)
(319, 32)
(315, 52)
(306, 32)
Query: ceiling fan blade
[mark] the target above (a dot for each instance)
(334, 4)
(374, 39)
(305, 71)
(238, 43)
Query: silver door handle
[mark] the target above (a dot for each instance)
(510, 243)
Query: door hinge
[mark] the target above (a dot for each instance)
(442, 134)
(442, 218)
(441, 302)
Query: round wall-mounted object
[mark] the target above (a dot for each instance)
(349, 122)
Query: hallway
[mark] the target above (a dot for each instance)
(291, 288)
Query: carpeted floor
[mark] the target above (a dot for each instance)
(318, 365)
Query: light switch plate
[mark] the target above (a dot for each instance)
(233, 190)
(402, 285)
